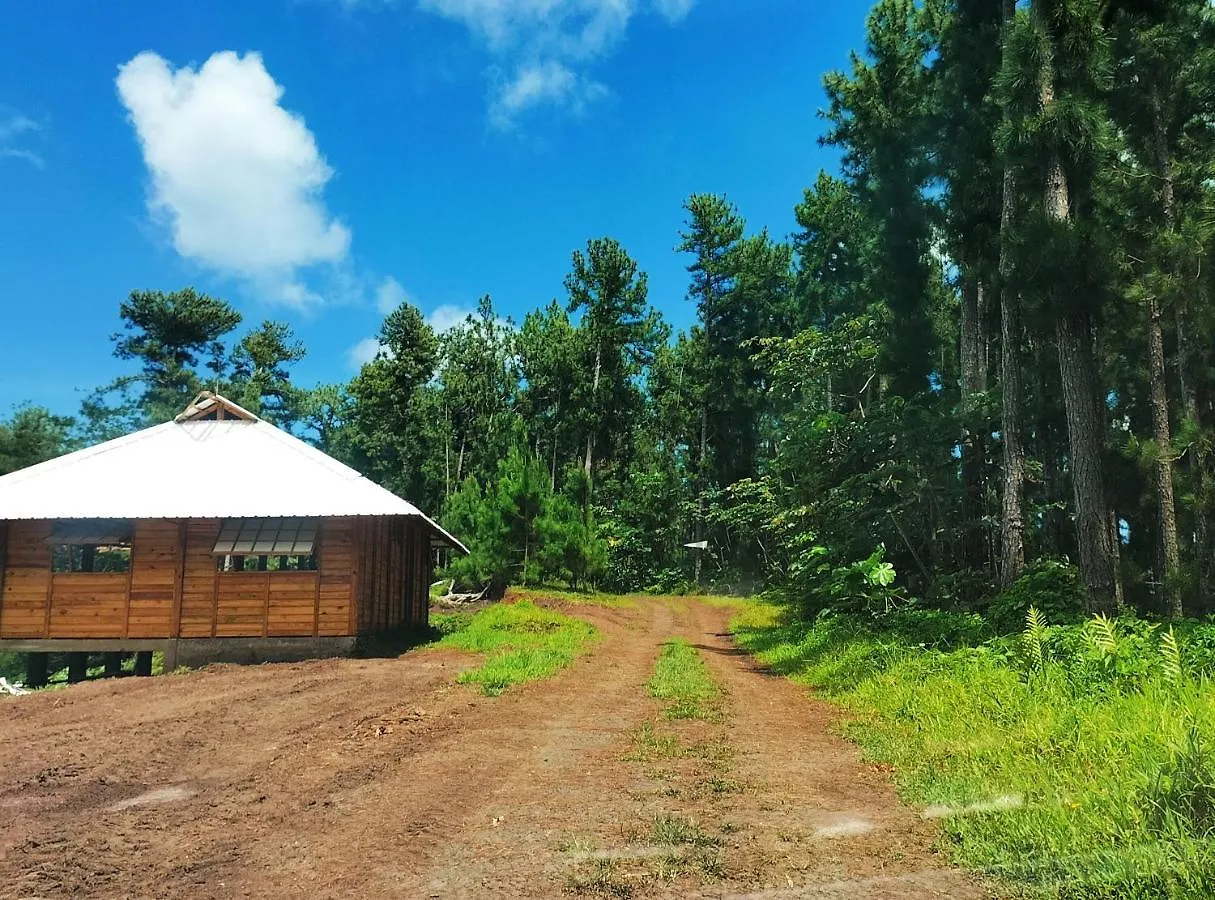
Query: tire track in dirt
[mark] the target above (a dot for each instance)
(383, 778)
(820, 822)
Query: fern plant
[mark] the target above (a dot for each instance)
(1170, 659)
(1102, 634)
(1033, 640)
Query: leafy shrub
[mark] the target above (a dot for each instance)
(1049, 585)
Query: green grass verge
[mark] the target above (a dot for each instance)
(574, 598)
(683, 680)
(522, 641)
(1047, 782)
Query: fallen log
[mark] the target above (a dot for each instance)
(455, 599)
(17, 690)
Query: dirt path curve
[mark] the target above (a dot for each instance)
(384, 778)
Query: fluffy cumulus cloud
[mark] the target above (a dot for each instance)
(545, 47)
(235, 176)
(389, 295)
(448, 316)
(364, 352)
(15, 131)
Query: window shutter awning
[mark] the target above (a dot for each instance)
(266, 537)
(92, 531)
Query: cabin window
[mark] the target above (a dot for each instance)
(232, 562)
(91, 545)
(110, 558)
(269, 537)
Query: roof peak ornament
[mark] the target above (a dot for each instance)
(210, 406)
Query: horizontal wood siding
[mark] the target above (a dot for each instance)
(336, 561)
(165, 577)
(27, 581)
(291, 609)
(85, 605)
(240, 604)
(154, 562)
(198, 579)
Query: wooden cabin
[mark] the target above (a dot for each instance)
(213, 537)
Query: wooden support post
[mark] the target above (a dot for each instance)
(113, 664)
(78, 667)
(36, 669)
(143, 663)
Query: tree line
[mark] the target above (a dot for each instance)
(983, 356)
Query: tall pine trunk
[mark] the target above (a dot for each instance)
(1012, 511)
(590, 434)
(974, 359)
(1096, 530)
(1170, 552)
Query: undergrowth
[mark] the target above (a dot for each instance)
(1066, 761)
(682, 678)
(522, 641)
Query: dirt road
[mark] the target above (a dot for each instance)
(370, 778)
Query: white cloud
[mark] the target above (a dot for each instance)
(237, 178)
(673, 11)
(446, 317)
(390, 295)
(546, 44)
(543, 83)
(15, 126)
(364, 352)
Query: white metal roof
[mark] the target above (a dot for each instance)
(198, 469)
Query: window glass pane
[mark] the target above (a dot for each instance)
(111, 559)
(106, 558)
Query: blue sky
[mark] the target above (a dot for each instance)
(315, 160)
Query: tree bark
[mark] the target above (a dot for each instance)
(1169, 546)
(1170, 552)
(1012, 512)
(1083, 404)
(973, 355)
(590, 434)
(1096, 531)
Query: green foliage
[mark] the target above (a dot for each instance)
(523, 641)
(261, 377)
(519, 531)
(682, 678)
(1051, 587)
(168, 335)
(1043, 780)
(32, 435)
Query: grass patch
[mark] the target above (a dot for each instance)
(649, 744)
(683, 680)
(599, 878)
(522, 641)
(1065, 779)
(573, 598)
(677, 831)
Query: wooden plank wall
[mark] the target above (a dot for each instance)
(335, 603)
(88, 605)
(147, 602)
(394, 574)
(27, 581)
(198, 579)
(155, 560)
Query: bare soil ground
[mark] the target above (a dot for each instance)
(383, 777)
